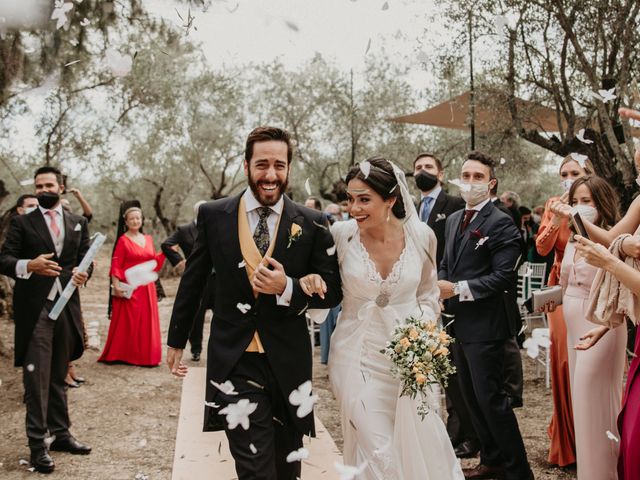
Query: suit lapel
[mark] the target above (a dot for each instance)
(68, 231)
(477, 222)
(230, 243)
(438, 206)
(40, 225)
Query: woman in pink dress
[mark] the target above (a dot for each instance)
(134, 332)
(596, 374)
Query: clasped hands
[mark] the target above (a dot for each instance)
(43, 265)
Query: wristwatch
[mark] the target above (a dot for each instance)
(456, 288)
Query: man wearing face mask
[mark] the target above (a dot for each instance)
(478, 280)
(41, 252)
(26, 203)
(435, 204)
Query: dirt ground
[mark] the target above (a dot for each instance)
(129, 415)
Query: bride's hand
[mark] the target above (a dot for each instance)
(313, 283)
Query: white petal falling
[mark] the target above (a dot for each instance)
(464, 187)
(242, 264)
(28, 181)
(385, 6)
(85, 22)
(349, 472)
(531, 346)
(238, 413)
(141, 274)
(580, 136)
(253, 448)
(211, 404)
(227, 387)
(291, 26)
(142, 443)
(607, 95)
(22, 461)
(611, 436)
(30, 367)
(298, 455)
(302, 398)
(59, 13)
(307, 186)
(368, 47)
(49, 440)
(119, 65)
(365, 168)
(503, 161)
(578, 157)
(331, 251)
(243, 307)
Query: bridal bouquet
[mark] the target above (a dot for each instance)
(419, 352)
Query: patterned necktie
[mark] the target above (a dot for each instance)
(261, 234)
(54, 225)
(426, 208)
(468, 215)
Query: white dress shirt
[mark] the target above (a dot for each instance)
(252, 205)
(58, 243)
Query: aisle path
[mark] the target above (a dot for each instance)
(196, 454)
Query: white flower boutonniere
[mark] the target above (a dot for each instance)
(481, 242)
(440, 217)
(294, 234)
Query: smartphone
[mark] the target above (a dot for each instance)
(578, 224)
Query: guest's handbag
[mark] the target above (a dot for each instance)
(546, 295)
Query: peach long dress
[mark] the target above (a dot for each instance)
(562, 450)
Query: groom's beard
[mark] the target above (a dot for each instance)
(265, 199)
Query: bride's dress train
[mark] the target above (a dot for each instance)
(381, 428)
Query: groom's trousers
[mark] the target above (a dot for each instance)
(271, 434)
(45, 367)
(480, 372)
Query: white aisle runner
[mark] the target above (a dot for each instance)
(196, 454)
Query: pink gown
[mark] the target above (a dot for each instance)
(595, 375)
(134, 332)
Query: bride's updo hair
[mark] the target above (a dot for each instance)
(382, 180)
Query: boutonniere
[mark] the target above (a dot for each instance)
(440, 217)
(481, 239)
(294, 234)
(77, 228)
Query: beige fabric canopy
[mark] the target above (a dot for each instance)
(492, 114)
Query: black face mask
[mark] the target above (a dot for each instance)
(425, 181)
(48, 199)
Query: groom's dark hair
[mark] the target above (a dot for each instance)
(265, 134)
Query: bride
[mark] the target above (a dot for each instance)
(386, 263)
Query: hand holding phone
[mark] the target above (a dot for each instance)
(578, 225)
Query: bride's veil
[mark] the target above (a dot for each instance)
(413, 224)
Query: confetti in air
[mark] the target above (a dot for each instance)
(581, 159)
(30, 367)
(298, 455)
(243, 307)
(604, 95)
(253, 448)
(211, 404)
(580, 137)
(331, 251)
(503, 161)
(59, 14)
(227, 387)
(142, 443)
(349, 472)
(385, 6)
(242, 264)
(238, 413)
(302, 398)
(141, 274)
(611, 436)
(365, 168)
(307, 187)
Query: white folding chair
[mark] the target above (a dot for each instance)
(541, 336)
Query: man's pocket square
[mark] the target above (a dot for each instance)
(78, 228)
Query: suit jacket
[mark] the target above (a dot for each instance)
(283, 330)
(486, 255)
(185, 238)
(28, 236)
(443, 207)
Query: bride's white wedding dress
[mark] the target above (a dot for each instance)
(380, 428)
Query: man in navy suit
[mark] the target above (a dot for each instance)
(477, 277)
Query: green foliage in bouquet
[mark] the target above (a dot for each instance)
(419, 352)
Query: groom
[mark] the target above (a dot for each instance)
(260, 244)
(477, 277)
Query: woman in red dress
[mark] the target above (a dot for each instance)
(134, 332)
(553, 235)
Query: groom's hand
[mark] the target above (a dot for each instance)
(174, 361)
(271, 282)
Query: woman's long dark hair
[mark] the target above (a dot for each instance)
(604, 197)
(382, 180)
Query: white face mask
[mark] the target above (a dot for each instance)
(29, 210)
(566, 184)
(586, 212)
(474, 193)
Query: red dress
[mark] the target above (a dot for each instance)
(629, 421)
(134, 332)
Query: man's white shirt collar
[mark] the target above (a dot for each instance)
(251, 202)
(57, 209)
(479, 206)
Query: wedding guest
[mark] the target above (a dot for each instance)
(134, 331)
(511, 201)
(477, 278)
(553, 235)
(314, 203)
(595, 375)
(333, 212)
(185, 237)
(26, 203)
(41, 252)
